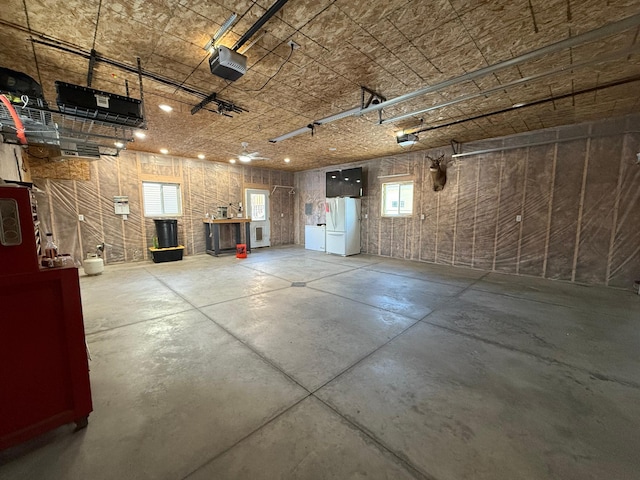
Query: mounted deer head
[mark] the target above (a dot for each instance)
(438, 173)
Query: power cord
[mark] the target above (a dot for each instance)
(277, 72)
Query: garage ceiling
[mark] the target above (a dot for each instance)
(391, 47)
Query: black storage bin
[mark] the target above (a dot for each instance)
(167, 232)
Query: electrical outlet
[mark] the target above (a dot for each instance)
(81, 218)
(282, 215)
(422, 216)
(518, 218)
(366, 215)
(293, 45)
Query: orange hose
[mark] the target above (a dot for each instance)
(16, 119)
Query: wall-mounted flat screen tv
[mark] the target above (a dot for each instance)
(345, 183)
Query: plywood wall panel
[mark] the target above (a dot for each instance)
(486, 214)
(566, 206)
(535, 214)
(625, 252)
(63, 216)
(511, 196)
(597, 217)
(87, 196)
(135, 247)
(194, 209)
(109, 179)
(385, 237)
(429, 207)
(371, 208)
(399, 248)
(466, 211)
(447, 198)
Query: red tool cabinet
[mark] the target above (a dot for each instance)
(44, 374)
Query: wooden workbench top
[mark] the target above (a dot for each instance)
(226, 220)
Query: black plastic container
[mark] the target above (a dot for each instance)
(167, 232)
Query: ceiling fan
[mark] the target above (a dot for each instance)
(246, 157)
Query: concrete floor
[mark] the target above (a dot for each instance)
(219, 368)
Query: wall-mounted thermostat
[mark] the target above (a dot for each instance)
(121, 205)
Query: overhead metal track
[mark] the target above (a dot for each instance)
(597, 34)
(599, 59)
(256, 26)
(542, 101)
(143, 73)
(593, 35)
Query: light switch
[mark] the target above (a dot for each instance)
(366, 215)
(81, 218)
(422, 216)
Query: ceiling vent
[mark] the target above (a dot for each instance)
(227, 64)
(407, 139)
(78, 151)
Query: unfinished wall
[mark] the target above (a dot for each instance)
(204, 187)
(12, 166)
(576, 188)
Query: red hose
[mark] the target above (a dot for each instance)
(16, 119)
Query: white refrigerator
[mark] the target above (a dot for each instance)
(343, 226)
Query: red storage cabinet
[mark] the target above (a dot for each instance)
(44, 374)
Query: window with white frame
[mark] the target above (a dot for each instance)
(161, 199)
(397, 199)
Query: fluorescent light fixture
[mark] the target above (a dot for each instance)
(233, 160)
(201, 156)
(166, 108)
(119, 145)
(287, 160)
(140, 134)
(291, 134)
(164, 151)
(322, 121)
(338, 116)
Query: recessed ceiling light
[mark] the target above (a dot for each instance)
(233, 160)
(164, 151)
(166, 108)
(333, 176)
(287, 160)
(201, 156)
(119, 145)
(140, 134)
(332, 149)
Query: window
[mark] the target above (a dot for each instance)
(397, 199)
(258, 211)
(161, 199)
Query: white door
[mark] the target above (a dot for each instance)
(257, 202)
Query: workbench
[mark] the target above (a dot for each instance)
(212, 234)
